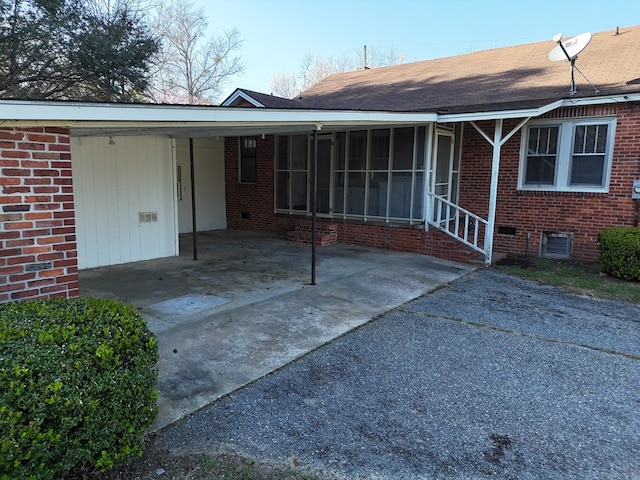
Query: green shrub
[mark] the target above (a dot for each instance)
(620, 252)
(77, 387)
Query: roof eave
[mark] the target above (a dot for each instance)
(537, 111)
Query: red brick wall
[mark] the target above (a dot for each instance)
(584, 214)
(38, 254)
(252, 200)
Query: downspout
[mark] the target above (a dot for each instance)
(194, 234)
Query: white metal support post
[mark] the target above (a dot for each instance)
(493, 192)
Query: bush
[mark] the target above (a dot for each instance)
(77, 387)
(620, 252)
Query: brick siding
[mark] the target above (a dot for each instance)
(529, 212)
(38, 254)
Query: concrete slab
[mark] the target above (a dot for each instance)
(245, 308)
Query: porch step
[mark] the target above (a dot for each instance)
(473, 257)
(326, 233)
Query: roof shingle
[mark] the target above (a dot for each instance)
(487, 80)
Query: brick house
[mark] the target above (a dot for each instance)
(477, 155)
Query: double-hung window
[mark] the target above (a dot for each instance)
(567, 155)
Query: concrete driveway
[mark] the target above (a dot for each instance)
(490, 377)
(245, 307)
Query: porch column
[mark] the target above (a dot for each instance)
(493, 192)
(496, 143)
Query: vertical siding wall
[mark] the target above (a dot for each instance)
(208, 160)
(38, 255)
(530, 212)
(116, 180)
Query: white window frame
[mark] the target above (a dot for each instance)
(564, 154)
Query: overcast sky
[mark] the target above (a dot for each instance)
(277, 34)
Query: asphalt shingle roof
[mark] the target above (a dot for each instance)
(496, 79)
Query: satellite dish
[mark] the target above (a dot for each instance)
(569, 50)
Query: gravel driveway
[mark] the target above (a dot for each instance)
(491, 377)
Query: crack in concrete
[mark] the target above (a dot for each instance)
(520, 334)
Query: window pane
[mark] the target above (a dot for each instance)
(403, 148)
(248, 169)
(400, 200)
(355, 193)
(543, 140)
(282, 190)
(590, 139)
(380, 140)
(601, 146)
(299, 152)
(378, 187)
(357, 150)
(299, 191)
(283, 152)
(587, 170)
(540, 170)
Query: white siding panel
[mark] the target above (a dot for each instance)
(208, 160)
(113, 183)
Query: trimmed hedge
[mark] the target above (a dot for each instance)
(77, 387)
(620, 252)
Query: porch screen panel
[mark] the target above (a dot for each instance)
(340, 154)
(402, 173)
(356, 177)
(418, 196)
(299, 162)
(379, 173)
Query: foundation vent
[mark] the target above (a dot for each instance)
(556, 244)
(147, 217)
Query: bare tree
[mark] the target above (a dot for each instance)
(192, 69)
(313, 69)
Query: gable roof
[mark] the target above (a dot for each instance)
(520, 76)
(241, 97)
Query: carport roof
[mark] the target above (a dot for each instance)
(86, 119)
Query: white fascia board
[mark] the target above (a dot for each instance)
(535, 112)
(16, 113)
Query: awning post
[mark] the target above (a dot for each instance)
(194, 234)
(314, 201)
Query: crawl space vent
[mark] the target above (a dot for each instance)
(556, 244)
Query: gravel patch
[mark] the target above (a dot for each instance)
(491, 377)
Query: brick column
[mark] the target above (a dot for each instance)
(38, 253)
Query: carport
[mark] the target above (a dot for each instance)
(245, 307)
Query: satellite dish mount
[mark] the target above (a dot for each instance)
(569, 50)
